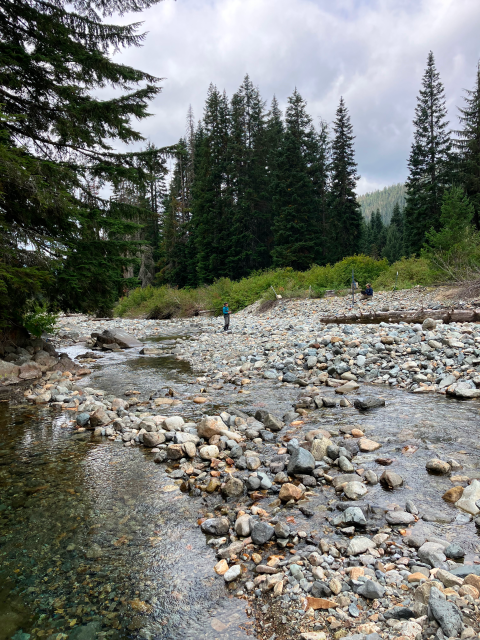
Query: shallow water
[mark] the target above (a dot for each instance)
(93, 533)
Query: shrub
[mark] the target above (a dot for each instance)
(411, 271)
(39, 320)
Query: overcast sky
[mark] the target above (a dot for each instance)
(373, 52)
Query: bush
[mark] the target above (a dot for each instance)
(166, 302)
(411, 271)
(39, 320)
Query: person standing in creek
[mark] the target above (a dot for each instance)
(226, 316)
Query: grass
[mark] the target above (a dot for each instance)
(166, 302)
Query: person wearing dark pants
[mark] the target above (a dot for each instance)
(226, 317)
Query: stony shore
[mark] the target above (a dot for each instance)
(369, 572)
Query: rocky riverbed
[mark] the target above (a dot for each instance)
(336, 508)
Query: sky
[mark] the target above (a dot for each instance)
(371, 52)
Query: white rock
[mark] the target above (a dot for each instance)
(470, 495)
(233, 573)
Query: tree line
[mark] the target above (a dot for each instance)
(251, 188)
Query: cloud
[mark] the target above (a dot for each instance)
(373, 52)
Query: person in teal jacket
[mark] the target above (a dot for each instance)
(226, 316)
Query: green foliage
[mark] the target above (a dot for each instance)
(166, 302)
(39, 320)
(411, 272)
(55, 137)
(344, 227)
(468, 145)
(456, 218)
(382, 200)
(430, 162)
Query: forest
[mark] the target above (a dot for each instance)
(251, 188)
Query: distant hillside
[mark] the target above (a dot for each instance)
(384, 200)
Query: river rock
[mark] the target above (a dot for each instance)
(432, 553)
(99, 418)
(209, 452)
(429, 324)
(371, 477)
(469, 497)
(301, 461)
(399, 517)
(359, 544)
(233, 488)
(319, 448)
(365, 444)
(123, 339)
(174, 452)
(173, 423)
(82, 419)
(454, 551)
(190, 449)
(437, 466)
(371, 590)
(215, 526)
(454, 494)
(243, 526)
(272, 422)
(153, 439)
(368, 402)
(8, 371)
(233, 573)
(211, 426)
(446, 613)
(262, 532)
(391, 480)
(290, 492)
(355, 490)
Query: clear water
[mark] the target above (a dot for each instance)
(95, 534)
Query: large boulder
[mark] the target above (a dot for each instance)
(446, 613)
(8, 372)
(123, 339)
(29, 371)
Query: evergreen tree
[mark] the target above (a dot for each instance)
(469, 146)
(294, 201)
(274, 132)
(430, 160)
(398, 220)
(455, 221)
(345, 223)
(53, 57)
(250, 220)
(212, 204)
(319, 164)
(392, 250)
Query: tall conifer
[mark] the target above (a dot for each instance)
(469, 146)
(345, 217)
(430, 160)
(294, 201)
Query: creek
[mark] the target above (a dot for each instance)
(96, 539)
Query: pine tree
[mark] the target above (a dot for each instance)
(398, 220)
(250, 220)
(430, 160)
(274, 132)
(345, 218)
(294, 201)
(53, 57)
(392, 250)
(468, 144)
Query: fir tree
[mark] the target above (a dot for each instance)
(250, 220)
(430, 160)
(319, 167)
(392, 250)
(294, 201)
(212, 205)
(345, 218)
(469, 146)
(274, 132)
(53, 57)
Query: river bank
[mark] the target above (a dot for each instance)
(288, 473)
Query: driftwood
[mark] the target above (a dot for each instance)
(375, 317)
